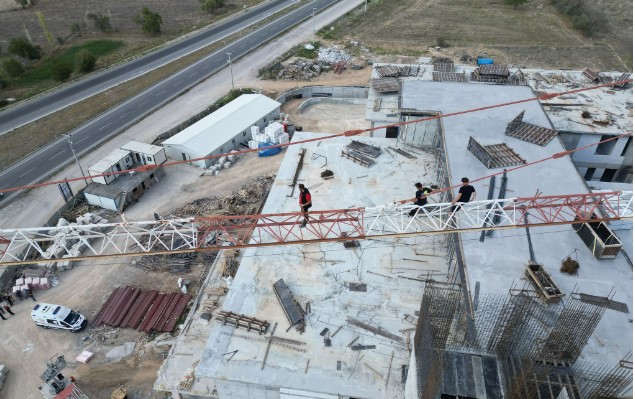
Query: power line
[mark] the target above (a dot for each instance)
(349, 133)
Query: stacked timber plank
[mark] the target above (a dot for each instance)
(144, 310)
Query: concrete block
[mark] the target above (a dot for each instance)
(84, 357)
(19, 281)
(44, 283)
(28, 281)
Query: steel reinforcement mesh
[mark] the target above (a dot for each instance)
(537, 345)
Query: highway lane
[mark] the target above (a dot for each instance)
(40, 106)
(51, 158)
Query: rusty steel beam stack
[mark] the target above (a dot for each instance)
(143, 310)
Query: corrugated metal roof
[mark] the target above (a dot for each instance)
(108, 161)
(221, 126)
(143, 148)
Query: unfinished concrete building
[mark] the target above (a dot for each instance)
(497, 317)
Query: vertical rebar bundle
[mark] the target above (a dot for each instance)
(574, 327)
(537, 345)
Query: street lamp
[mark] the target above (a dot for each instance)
(314, 8)
(70, 144)
(231, 71)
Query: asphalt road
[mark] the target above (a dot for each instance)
(49, 159)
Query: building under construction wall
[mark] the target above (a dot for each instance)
(510, 344)
(468, 314)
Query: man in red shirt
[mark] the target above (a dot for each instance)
(305, 203)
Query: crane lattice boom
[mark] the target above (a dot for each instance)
(46, 244)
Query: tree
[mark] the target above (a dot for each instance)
(85, 61)
(210, 5)
(102, 22)
(22, 47)
(61, 70)
(150, 21)
(12, 67)
(515, 3)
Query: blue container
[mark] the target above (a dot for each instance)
(269, 151)
(484, 61)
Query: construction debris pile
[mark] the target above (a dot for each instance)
(69, 238)
(175, 263)
(143, 310)
(333, 55)
(246, 200)
(301, 69)
(329, 58)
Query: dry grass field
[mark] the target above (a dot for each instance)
(534, 34)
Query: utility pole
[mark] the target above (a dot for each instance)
(70, 144)
(365, 6)
(314, 8)
(231, 71)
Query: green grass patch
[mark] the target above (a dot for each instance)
(42, 71)
(306, 53)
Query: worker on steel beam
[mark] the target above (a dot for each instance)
(421, 197)
(466, 194)
(305, 203)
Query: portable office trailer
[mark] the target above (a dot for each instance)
(145, 154)
(116, 161)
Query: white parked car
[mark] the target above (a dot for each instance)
(47, 315)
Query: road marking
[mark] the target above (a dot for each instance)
(82, 139)
(142, 103)
(192, 74)
(58, 154)
(27, 172)
(163, 91)
(177, 83)
(105, 126)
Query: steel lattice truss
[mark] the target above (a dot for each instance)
(58, 244)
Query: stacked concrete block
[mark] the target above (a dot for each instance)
(255, 130)
(3, 375)
(45, 284)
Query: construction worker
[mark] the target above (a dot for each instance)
(8, 309)
(421, 197)
(466, 194)
(305, 203)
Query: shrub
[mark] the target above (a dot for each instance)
(61, 70)
(77, 28)
(22, 47)
(13, 67)
(101, 22)
(85, 61)
(150, 21)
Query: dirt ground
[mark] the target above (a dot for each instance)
(533, 35)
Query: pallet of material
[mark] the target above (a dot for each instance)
(543, 282)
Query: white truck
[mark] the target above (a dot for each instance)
(47, 315)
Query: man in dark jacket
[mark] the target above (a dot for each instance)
(305, 203)
(421, 197)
